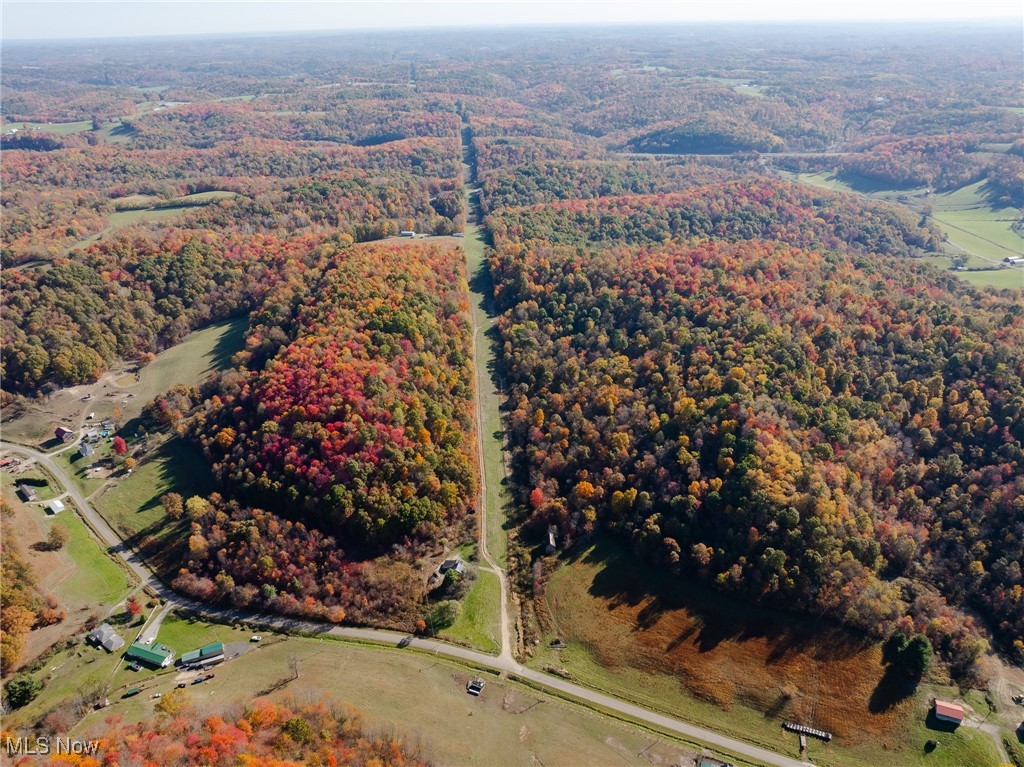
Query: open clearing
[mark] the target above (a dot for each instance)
(964, 215)
(477, 625)
(132, 506)
(145, 215)
(61, 129)
(735, 668)
(201, 353)
(82, 576)
(97, 578)
(183, 633)
(420, 697)
(491, 429)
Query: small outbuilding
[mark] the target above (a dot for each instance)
(64, 435)
(27, 492)
(104, 636)
(453, 564)
(204, 656)
(55, 506)
(949, 712)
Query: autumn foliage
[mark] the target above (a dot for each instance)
(360, 424)
(261, 732)
(813, 428)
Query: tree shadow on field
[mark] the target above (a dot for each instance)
(893, 688)
(230, 342)
(710, 617)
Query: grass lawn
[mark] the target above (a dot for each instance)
(738, 669)
(76, 466)
(79, 669)
(132, 505)
(183, 633)
(98, 578)
(1001, 278)
(422, 698)
(44, 492)
(973, 223)
(478, 624)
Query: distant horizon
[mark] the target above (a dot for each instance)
(51, 22)
(485, 27)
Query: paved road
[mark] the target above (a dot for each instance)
(502, 664)
(105, 532)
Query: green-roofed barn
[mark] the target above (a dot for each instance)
(204, 656)
(152, 655)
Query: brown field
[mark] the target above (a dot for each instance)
(726, 653)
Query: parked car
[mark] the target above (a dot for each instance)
(405, 641)
(197, 680)
(209, 676)
(475, 687)
(182, 685)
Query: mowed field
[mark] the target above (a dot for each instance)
(61, 129)
(478, 623)
(82, 576)
(972, 225)
(734, 667)
(132, 505)
(420, 697)
(143, 209)
(491, 429)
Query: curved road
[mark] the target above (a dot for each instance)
(504, 663)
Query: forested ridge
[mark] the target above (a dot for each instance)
(820, 429)
(362, 419)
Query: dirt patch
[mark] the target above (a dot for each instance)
(728, 653)
(100, 471)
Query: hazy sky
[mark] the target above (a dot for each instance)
(36, 19)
